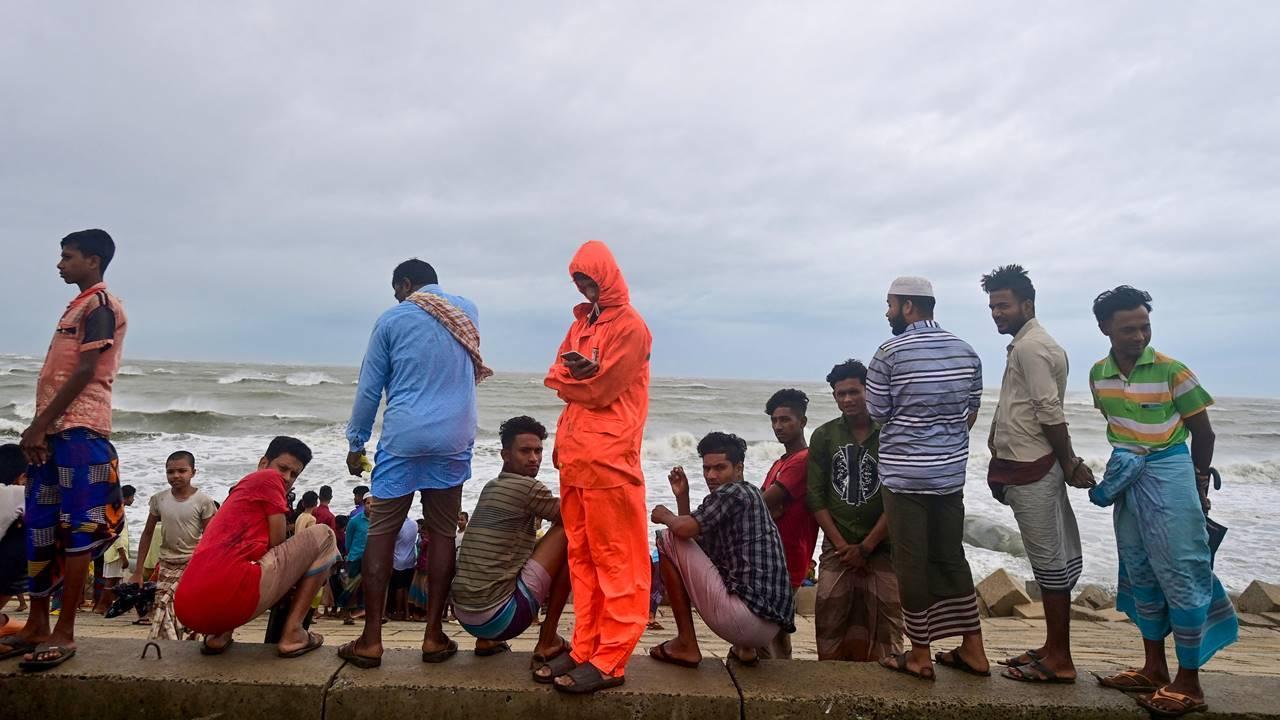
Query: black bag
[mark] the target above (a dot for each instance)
(1217, 531)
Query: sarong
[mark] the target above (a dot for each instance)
(934, 580)
(858, 616)
(1166, 582)
(164, 622)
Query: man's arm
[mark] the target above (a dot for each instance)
(683, 525)
(374, 371)
(34, 439)
(1202, 441)
(1042, 388)
(620, 362)
(975, 392)
(776, 498)
(144, 546)
(879, 397)
(277, 529)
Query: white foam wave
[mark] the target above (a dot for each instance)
(25, 410)
(13, 427)
(162, 371)
(132, 371)
(307, 379)
(247, 376)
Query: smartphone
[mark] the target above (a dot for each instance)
(573, 356)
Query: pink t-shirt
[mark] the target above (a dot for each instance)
(94, 320)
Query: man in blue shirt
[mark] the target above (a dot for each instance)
(418, 358)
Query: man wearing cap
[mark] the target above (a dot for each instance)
(924, 387)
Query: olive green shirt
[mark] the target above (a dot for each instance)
(844, 478)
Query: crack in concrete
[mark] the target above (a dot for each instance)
(742, 699)
(324, 696)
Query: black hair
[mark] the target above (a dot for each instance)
(309, 500)
(128, 491)
(182, 455)
(416, 271)
(1125, 297)
(847, 370)
(923, 303)
(95, 243)
(733, 447)
(520, 425)
(12, 463)
(361, 490)
(788, 398)
(285, 445)
(1013, 278)
(326, 492)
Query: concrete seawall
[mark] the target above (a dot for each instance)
(108, 680)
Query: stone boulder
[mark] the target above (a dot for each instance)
(1259, 597)
(1002, 593)
(1031, 611)
(1094, 597)
(1033, 590)
(806, 600)
(1088, 614)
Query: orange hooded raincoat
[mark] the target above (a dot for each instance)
(597, 451)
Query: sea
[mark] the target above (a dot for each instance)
(226, 413)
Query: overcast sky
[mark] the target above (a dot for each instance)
(761, 171)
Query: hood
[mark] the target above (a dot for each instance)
(595, 261)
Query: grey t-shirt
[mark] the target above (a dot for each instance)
(182, 522)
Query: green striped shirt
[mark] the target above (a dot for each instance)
(1145, 411)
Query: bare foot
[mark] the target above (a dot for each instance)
(551, 649)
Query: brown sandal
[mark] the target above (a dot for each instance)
(1184, 704)
(1127, 681)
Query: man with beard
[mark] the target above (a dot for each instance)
(785, 487)
(858, 617)
(924, 387)
(1032, 462)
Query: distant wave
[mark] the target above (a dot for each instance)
(307, 379)
(682, 386)
(298, 379)
(132, 371)
(683, 446)
(11, 427)
(211, 422)
(247, 376)
(162, 371)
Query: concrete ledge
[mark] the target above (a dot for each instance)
(781, 689)
(107, 680)
(501, 686)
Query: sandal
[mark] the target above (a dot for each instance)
(1039, 674)
(952, 659)
(348, 652)
(659, 653)
(442, 654)
(493, 650)
(538, 660)
(207, 649)
(900, 665)
(60, 655)
(1183, 704)
(587, 679)
(561, 664)
(1017, 660)
(17, 646)
(1127, 681)
(733, 653)
(314, 640)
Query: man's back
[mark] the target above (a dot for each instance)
(922, 386)
(500, 538)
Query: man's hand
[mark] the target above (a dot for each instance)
(35, 444)
(355, 463)
(124, 563)
(1081, 476)
(853, 556)
(679, 482)
(582, 369)
(136, 578)
(1203, 481)
(660, 514)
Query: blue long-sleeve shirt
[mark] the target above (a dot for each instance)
(428, 380)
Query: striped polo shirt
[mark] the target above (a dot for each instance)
(1145, 410)
(921, 387)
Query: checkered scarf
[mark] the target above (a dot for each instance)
(458, 325)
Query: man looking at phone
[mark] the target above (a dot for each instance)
(602, 374)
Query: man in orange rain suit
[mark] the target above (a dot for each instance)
(602, 495)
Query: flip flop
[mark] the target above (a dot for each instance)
(544, 659)
(207, 649)
(1042, 674)
(1185, 703)
(441, 655)
(1015, 660)
(493, 650)
(952, 659)
(587, 679)
(348, 652)
(659, 653)
(561, 664)
(63, 654)
(733, 653)
(1127, 681)
(314, 640)
(900, 665)
(17, 646)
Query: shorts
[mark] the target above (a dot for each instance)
(514, 616)
(73, 505)
(307, 553)
(113, 570)
(439, 508)
(401, 579)
(1049, 531)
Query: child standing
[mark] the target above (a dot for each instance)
(185, 511)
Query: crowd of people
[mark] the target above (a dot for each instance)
(884, 482)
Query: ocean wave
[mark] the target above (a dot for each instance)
(162, 371)
(247, 376)
(132, 371)
(212, 422)
(307, 379)
(990, 535)
(11, 427)
(25, 410)
(682, 386)
(1265, 470)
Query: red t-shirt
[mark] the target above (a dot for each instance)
(219, 589)
(324, 516)
(797, 527)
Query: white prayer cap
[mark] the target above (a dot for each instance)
(911, 285)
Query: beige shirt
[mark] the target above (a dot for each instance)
(182, 521)
(1035, 382)
(304, 521)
